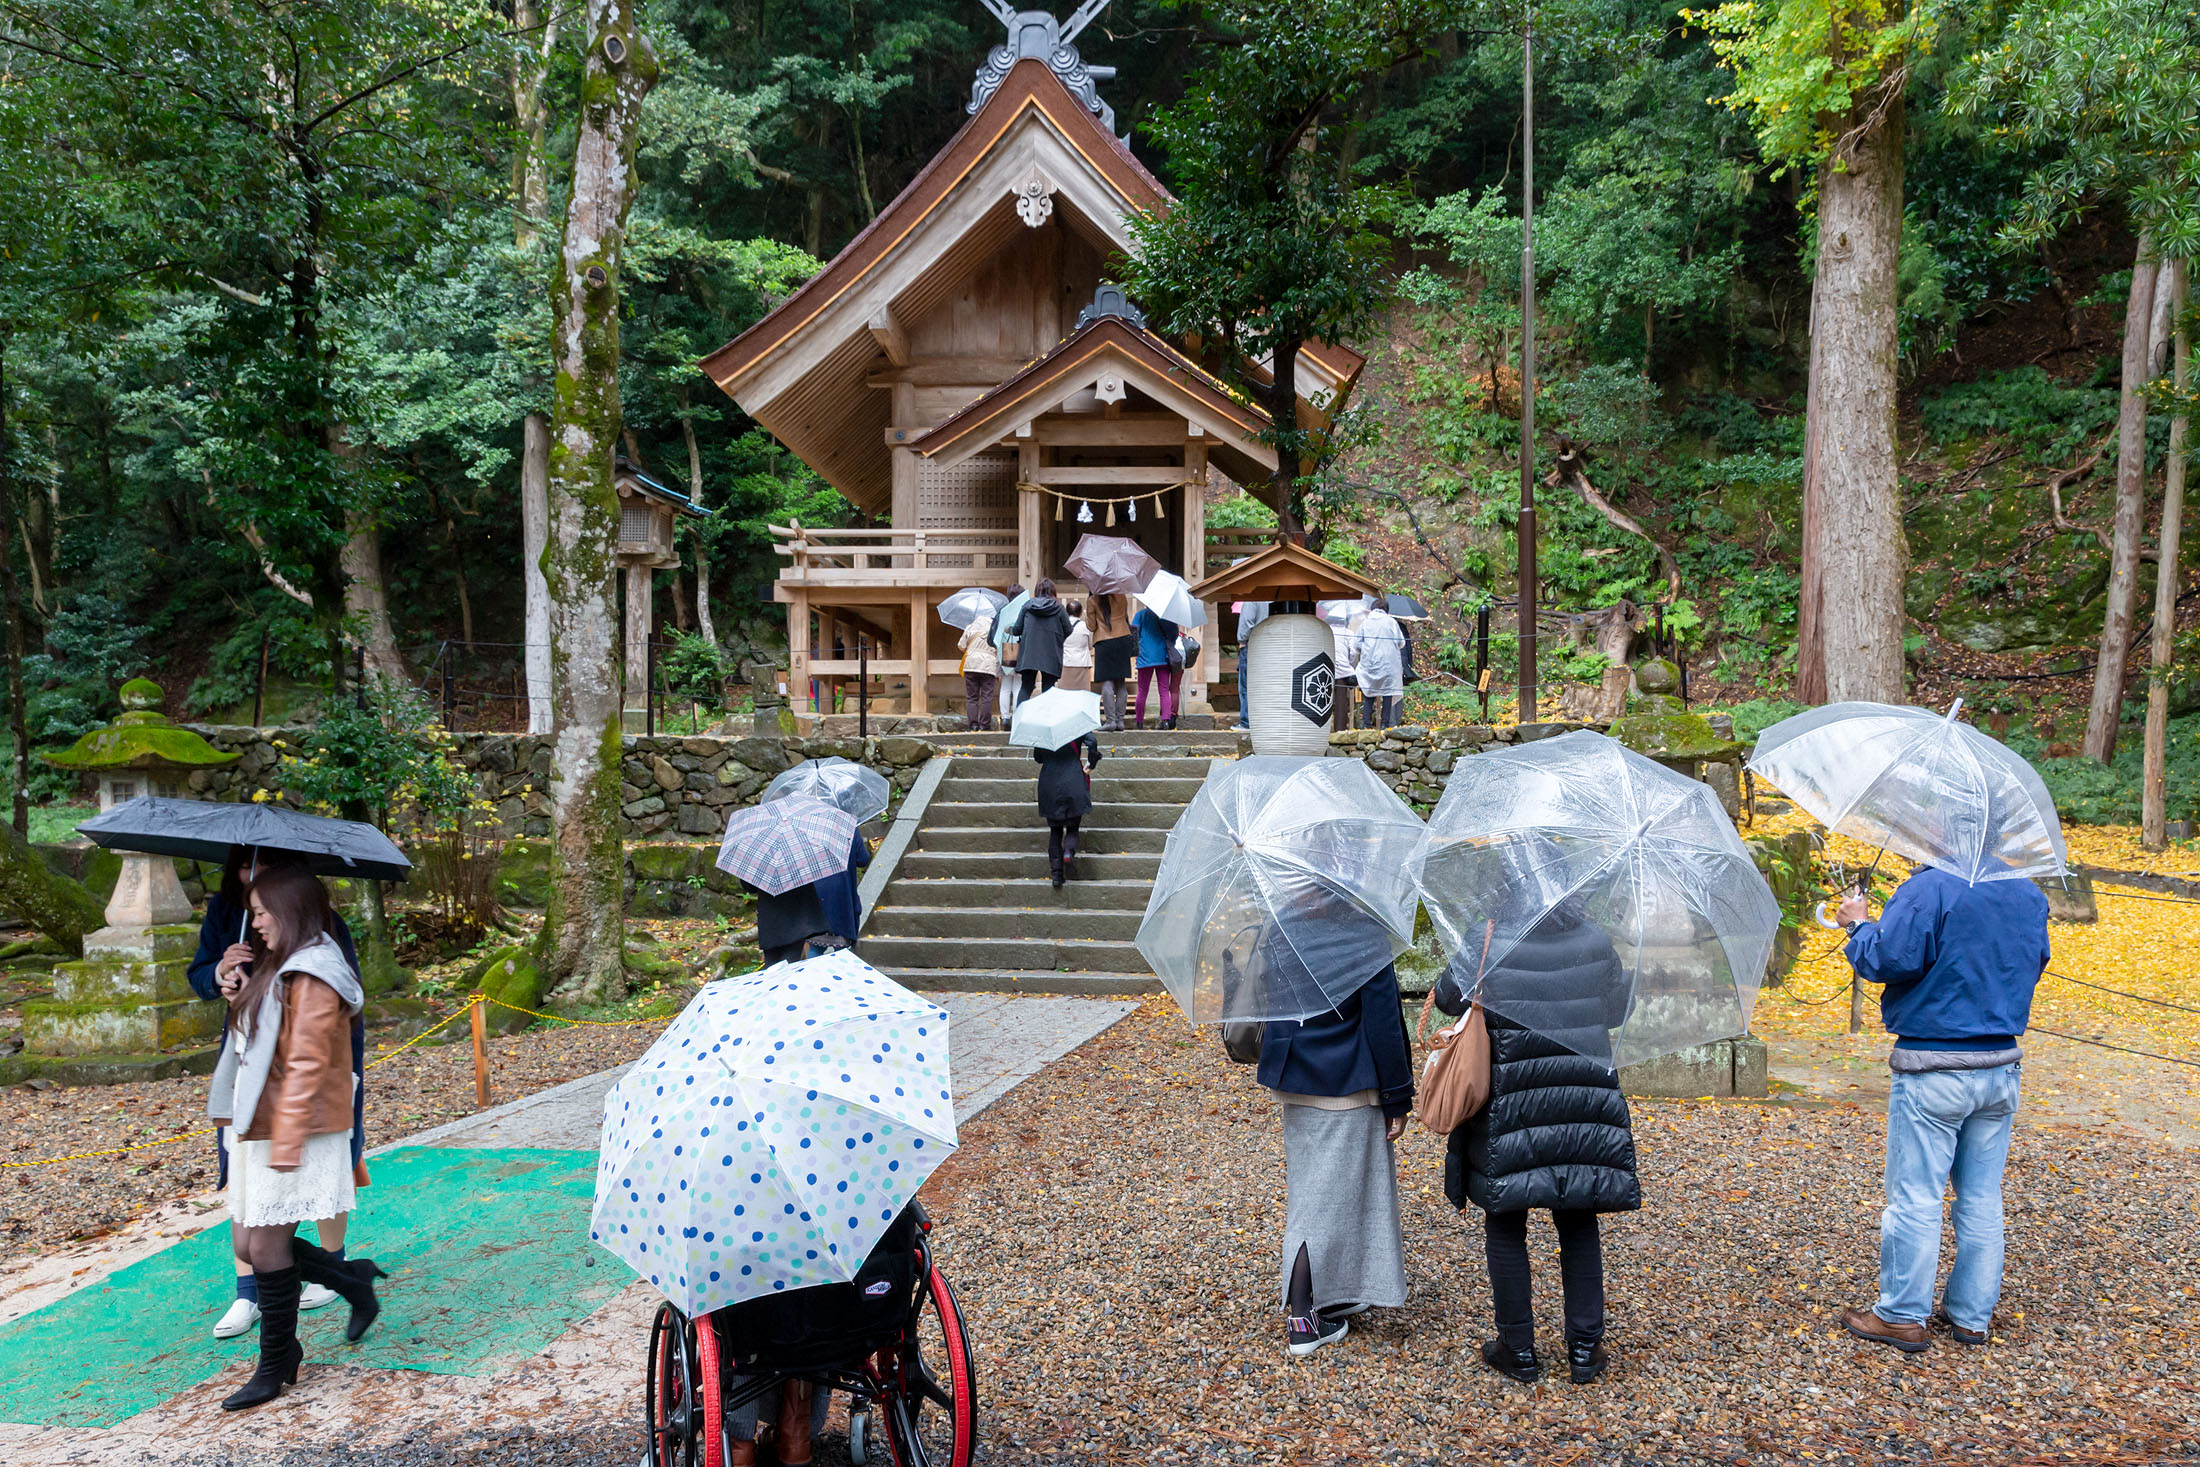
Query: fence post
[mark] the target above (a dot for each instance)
(450, 700)
(481, 1052)
(649, 689)
(863, 686)
(1482, 659)
(260, 687)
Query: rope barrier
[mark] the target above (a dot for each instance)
(2120, 1049)
(2120, 993)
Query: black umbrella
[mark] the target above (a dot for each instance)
(1405, 608)
(201, 831)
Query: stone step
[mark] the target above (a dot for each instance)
(1120, 815)
(1010, 766)
(1054, 923)
(1158, 743)
(1034, 893)
(1032, 840)
(992, 866)
(1033, 953)
(1108, 788)
(980, 980)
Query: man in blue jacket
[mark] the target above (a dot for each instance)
(1959, 963)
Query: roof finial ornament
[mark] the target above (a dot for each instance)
(1038, 35)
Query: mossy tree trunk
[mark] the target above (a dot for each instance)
(531, 195)
(51, 904)
(2104, 714)
(581, 953)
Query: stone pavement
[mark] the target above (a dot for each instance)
(591, 1372)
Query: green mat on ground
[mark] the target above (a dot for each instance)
(489, 1261)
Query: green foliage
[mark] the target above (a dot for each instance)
(694, 670)
(69, 688)
(2090, 793)
(1240, 511)
(1754, 717)
(294, 646)
(1804, 68)
(1614, 408)
(383, 756)
(1576, 664)
(2024, 406)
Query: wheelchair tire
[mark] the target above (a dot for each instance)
(671, 1390)
(931, 1401)
(859, 1438)
(712, 1392)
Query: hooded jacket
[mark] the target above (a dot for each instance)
(1556, 1131)
(291, 1079)
(979, 658)
(1041, 628)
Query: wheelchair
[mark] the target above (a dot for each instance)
(893, 1340)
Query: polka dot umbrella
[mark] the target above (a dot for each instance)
(771, 1134)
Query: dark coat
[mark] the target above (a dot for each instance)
(1361, 1046)
(1040, 630)
(1111, 658)
(789, 919)
(838, 894)
(1556, 1131)
(1064, 791)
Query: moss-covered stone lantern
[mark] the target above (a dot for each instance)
(127, 1012)
(1657, 723)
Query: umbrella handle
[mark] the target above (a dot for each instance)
(1825, 921)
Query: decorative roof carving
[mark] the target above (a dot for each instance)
(1109, 300)
(1036, 34)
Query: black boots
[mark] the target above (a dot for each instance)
(1520, 1365)
(1585, 1360)
(279, 1352)
(352, 1278)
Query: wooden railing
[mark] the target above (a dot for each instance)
(854, 556)
(1226, 548)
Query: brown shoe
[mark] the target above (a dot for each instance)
(740, 1454)
(1964, 1336)
(1865, 1324)
(791, 1442)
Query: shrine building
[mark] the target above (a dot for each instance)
(966, 375)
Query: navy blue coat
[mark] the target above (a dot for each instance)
(843, 904)
(1959, 961)
(1360, 1046)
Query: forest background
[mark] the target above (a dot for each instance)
(275, 304)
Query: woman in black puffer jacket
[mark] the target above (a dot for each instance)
(1554, 1134)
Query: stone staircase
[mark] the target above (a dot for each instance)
(970, 906)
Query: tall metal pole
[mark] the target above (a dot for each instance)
(1525, 711)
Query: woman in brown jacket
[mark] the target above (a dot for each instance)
(283, 1086)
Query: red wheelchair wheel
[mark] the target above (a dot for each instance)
(713, 1388)
(672, 1390)
(930, 1398)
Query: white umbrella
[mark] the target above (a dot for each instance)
(1169, 596)
(1565, 835)
(1054, 718)
(970, 603)
(1339, 614)
(1918, 783)
(843, 783)
(1286, 885)
(769, 1137)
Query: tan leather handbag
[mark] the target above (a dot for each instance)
(1455, 1081)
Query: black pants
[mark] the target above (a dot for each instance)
(1030, 676)
(1061, 842)
(791, 953)
(1580, 1266)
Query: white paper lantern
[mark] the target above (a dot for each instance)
(1293, 676)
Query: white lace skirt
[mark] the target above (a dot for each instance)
(262, 1197)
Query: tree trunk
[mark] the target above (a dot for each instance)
(531, 114)
(2168, 581)
(1283, 413)
(367, 601)
(2129, 521)
(18, 735)
(1850, 621)
(534, 521)
(580, 951)
(702, 545)
(51, 905)
(458, 579)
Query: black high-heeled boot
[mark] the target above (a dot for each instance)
(279, 1350)
(353, 1279)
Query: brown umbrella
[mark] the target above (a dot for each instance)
(1111, 565)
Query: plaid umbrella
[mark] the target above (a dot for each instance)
(787, 843)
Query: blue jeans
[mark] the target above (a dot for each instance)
(1945, 1125)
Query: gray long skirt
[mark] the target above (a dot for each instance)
(1343, 1183)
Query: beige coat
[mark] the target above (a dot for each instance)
(977, 646)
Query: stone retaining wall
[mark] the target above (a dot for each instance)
(670, 786)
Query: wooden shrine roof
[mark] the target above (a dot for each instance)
(1285, 571)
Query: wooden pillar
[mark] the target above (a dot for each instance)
(798, 653)
(1033, 511)
(1199, 688)
(920, 653)
(641, 585)
(904, 510)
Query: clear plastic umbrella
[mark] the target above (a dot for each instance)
(1054, 717)
(767, 1139)
(1918, 783)
(1286, 884)
(1169, 597)
(1109, 564)
(1581, 828)
(839, 782)
(971, 602)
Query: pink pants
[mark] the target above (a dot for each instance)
(1167, 678)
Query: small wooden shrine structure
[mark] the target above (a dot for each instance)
(966, 376)
(648, 514)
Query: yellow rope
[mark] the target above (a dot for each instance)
(561, 1019)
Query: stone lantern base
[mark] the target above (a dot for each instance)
(125, 1012)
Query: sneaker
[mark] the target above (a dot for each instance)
(1344, 1311)
(1309, 1335)
(315, 1296)
(240, 1316)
